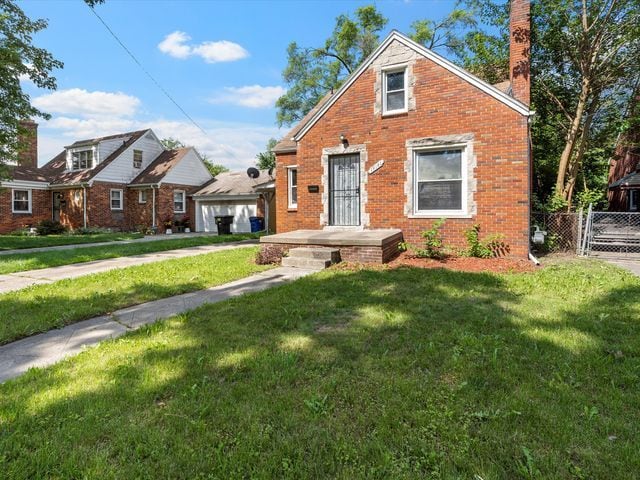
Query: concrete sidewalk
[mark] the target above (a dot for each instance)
(51, 347)
(19, 280)
(148, 238)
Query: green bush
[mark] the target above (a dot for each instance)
(433, 244)
(50, 227)
(493, 246)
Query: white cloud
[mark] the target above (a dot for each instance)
(251, 96)
(175, 45)
(76, 101)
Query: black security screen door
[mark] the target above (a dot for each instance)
(344, 190)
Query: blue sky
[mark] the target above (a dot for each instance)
(220, 60)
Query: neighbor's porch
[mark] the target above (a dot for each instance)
(366, 246)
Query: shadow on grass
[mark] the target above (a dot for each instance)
(404, 373)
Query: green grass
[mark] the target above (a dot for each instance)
(371, 374)
(14, 242)
(33, 261)
(43, 307)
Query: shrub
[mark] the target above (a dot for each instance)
(50, 227)
(494, 246)
(269, 254)
(91, 231)
(433, 245)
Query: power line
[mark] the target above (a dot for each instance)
(162, 89)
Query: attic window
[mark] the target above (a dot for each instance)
(394, 94)
(82, 160)
(137, 159)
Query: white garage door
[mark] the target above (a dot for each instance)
(241, 212)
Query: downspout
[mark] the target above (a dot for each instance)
(266, 213)
(153, 207)
(84, 206)
(530, 155)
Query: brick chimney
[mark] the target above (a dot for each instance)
(28, 156)
(520, 50)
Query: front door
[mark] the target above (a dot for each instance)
(344, 190)
(57, 198)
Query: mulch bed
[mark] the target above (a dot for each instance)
(463, 264)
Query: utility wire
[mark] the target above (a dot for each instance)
(162, 89)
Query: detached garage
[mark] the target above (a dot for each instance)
(238, 197)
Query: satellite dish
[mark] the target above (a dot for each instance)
(253, 172)
(271, 172)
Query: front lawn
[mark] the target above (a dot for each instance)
(32, 261)
(14, 242)
(43, 307)
(404, 373)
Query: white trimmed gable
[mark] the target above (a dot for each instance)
(121, 169)
(190, 170)
(401, 46)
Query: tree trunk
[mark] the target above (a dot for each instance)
(572, 138)
(576, 163)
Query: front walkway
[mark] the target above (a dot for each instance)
(148, 238)
(19, 280)
(51, 347)
(632, 266)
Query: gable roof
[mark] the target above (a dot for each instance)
(288, 144)
(55, 170)
(234, 184)
(27, 174)
(491, 90)
(158, 169)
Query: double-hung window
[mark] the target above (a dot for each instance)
(179, 201)
(394, 91)
(634, 197)
(292, 187)
(82, 160)
(116, 199)
(21, 201)
(142, 196)
(440, 182)
(137, 159)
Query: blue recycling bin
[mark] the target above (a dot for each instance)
(257, 224)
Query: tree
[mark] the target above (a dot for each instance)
(584, 57)
(267, 159)
(313, 72)
(19, 58)
(171, 143)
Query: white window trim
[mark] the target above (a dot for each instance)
(290, 205)
(121, 192)
(93, 159)
(13, 199)
(462, 212)
(140, 200)
(633, 200)
(184, 201)
(394, 69)
(141, 158)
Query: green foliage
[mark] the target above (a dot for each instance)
(433, 244)
(171, 143)
(586, 197)
(553, 203)
(313, 72)
(18, 58)
(267, 159)
(446, 34)
(476, 248)
(50, 227)
(215, 168)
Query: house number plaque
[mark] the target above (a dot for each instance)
(375, 167)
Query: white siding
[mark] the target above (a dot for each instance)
(189, 171)
(241, 211)
(107, 147)
(121, 169)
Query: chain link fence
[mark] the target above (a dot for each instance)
(612, 234)
(562, 232)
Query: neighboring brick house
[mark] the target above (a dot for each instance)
(624, 168)
(123, 182)
(410, 138)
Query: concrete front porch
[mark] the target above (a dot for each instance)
(370, 246)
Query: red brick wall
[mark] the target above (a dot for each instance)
(28, 156)
(71, 212)
(99, 213)
(445, 105)
(520, 50)
(140, 214)
(40, 210)
(164, 204)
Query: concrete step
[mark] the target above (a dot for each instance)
(331, 254)
(300, 262)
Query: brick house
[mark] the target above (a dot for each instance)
(410, 138)
(624, 168)
(122, 182)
